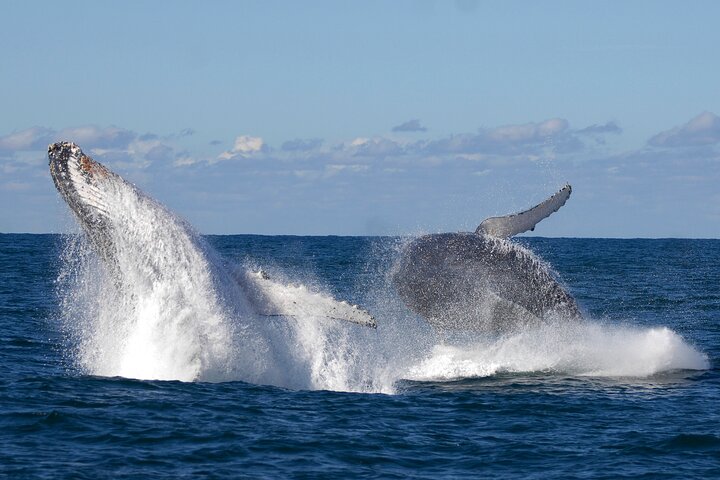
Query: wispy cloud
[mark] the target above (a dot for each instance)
(160, 153)
(494, 145)
(89, 136)
(302, 145)
(139, 153)
(507, 139)
(506, 143)
(183, 159)
(34, 138)
(374, 147)
(704, 129)
(93, 136)
(148, 136)
(116, 146)
(119, 147)
(609, 127)
(327, 171)
(398, 169)
(410, 126)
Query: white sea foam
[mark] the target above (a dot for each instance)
(177, 314)
(583, 349)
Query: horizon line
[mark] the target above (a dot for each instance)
(391, 236)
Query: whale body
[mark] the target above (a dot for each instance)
(483, 280)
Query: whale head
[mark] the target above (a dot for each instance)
(80, 181)
(84, 184)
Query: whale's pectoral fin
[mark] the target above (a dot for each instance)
(516, 223)
(273, 298)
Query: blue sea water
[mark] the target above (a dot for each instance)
(635, 393)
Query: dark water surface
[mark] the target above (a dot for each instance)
(56, 422)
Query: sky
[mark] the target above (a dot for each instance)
(371, 118)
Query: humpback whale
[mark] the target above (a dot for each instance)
(106, 207)
(482, 280)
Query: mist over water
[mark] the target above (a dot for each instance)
(179, 313)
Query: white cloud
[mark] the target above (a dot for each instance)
(506, 140)
(93, 136)
(245, 146)
(34, 138)
(89, 137)
(184, 161)
(374, 147)
(704, 129)
(123, 148)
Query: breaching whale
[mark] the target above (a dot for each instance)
(483, 280)
(104, 205)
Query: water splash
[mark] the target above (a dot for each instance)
(179, 314)
(583, 349)
(154, 311)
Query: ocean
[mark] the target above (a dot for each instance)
(632, 391)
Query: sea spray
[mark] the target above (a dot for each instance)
(116, 334)
(161, 304)
(152, 311)
(583, 349)
(178, 314)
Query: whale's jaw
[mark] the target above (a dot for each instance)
(83, 184)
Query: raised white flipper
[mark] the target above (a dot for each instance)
(273, 298)
(510, 225)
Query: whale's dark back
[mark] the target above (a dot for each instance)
(477, 282)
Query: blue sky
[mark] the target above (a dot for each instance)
(371, 117)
